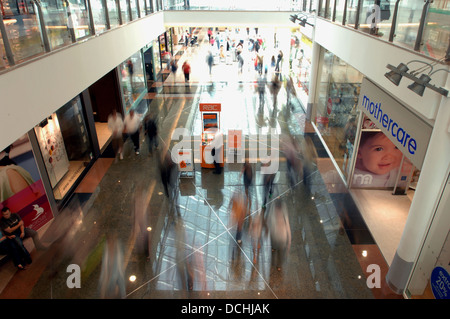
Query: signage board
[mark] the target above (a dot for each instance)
(440, 283)
(210, 107)
(407, 131)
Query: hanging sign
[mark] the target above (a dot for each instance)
(405, 129)
(210, 107)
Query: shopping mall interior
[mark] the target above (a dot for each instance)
(111, 229)
(124, 198)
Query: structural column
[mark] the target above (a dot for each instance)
(431, 184)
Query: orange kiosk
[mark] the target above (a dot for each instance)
(210, 113)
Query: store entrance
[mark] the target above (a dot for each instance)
(105, 97)
(148, 61)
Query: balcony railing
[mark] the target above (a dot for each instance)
(30, 28)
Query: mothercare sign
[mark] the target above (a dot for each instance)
(405, 129)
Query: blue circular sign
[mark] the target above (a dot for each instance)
(440, 283)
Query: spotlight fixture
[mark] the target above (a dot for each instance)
(419, 84)
(302, 19)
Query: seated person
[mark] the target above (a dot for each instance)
(19, 254)
(12, 224)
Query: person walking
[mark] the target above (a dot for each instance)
(116, 126)
(238, 205)
(247, 174)
(151, 131)
(186, 71)
(131, 129)
(262, 83)
(280, 233)
(275, 86)
(210, 61)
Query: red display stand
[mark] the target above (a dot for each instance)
(210, 126)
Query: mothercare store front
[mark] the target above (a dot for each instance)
(390, 147)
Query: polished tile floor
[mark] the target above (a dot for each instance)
(160, 242)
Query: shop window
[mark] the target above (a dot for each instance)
(65, 146)
(336, 115)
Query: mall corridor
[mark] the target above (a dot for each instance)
(184, 246)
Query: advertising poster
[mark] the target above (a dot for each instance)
(53, 149)
(21, 188)
(378, 161)
(210, 121)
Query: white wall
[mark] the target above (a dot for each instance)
(31, 92)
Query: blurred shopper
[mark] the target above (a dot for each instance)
(112, 275)
(280, 233)
(173, 69)
(132, 129)
(237, 205)
(292, 160)
(262, 82)
(275, 86)
(240, 60)
(255, 231)
(186, 67)
(216, 152)
(210, 61)
(151, 131)
(166, 168)
(309, 154)
(279, 62)
(247, 174)
(290, 91)
(268, 180)
(116, 126)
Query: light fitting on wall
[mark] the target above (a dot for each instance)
(420, 83)
(302, 19)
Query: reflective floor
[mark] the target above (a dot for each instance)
(131, 241)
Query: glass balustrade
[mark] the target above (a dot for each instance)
(67, 21)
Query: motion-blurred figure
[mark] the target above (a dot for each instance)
(293, 162)
(112, 276)
(309, 153)
(151, 131)
(275, 86)
(247, 174)
(290, 92)
(166, 168)
(115, 125)
(262, 82)
(255, 231)
(210, 61)
(238, 204)
(132, 125)
(268, 180)
(280, 233)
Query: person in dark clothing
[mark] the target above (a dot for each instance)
(166, 167)
(14, 231)
(151, 130)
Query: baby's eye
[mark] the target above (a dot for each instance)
(378, 149)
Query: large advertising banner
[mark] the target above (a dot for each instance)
(21, 189)
(393, 140)
(407, 131)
